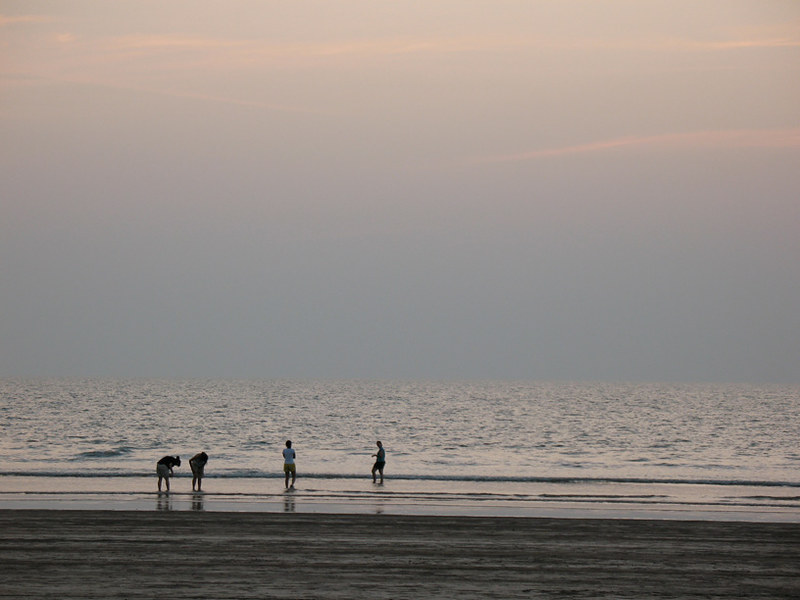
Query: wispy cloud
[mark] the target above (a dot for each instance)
(736, 44)
(411, 45)
(747, 138)
(189, 95)
(12, 20)
(174, 41)
(365, 47)
(223, 99)
(171, 52)
(766, 43)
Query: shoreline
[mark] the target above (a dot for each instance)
(403, 497)
(135, 554)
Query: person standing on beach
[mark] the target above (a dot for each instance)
(164, 469)
(198, 465)
(380, 461)
(288, 463)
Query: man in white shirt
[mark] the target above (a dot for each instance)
(288, 463)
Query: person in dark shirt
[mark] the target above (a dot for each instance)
(164, 469)
(198, 465)
(380, 461)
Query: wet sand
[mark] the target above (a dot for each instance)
(119, 554)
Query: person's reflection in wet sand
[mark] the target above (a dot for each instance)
(288, 501)
(164, 502)
(197, 501)
(380, 499)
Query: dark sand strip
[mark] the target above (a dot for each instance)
(111, 554)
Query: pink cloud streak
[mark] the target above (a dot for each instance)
(6, 20)
(746, 138)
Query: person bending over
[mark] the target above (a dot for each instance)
(164, 469)
(198, 465)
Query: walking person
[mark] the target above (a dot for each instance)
(380, 461)
(288, 463)
(164, 469)
(198, 465)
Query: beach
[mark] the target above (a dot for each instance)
(493, 490)
(142, 554)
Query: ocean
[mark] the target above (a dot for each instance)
(505, 446)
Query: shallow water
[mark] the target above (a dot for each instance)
(508, 440)
(433, 497)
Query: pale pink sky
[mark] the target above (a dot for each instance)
(539, 189)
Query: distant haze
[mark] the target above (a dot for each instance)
(562, 190)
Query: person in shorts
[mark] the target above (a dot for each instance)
(198, 465)
(288, 463)
(164, 469)
(380, 462)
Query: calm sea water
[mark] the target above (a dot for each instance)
(502, 445)
(495, 430)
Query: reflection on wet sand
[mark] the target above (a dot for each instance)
(380, 503)
(164, 501)
(288, 501)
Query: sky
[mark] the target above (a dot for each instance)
(604, 190)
